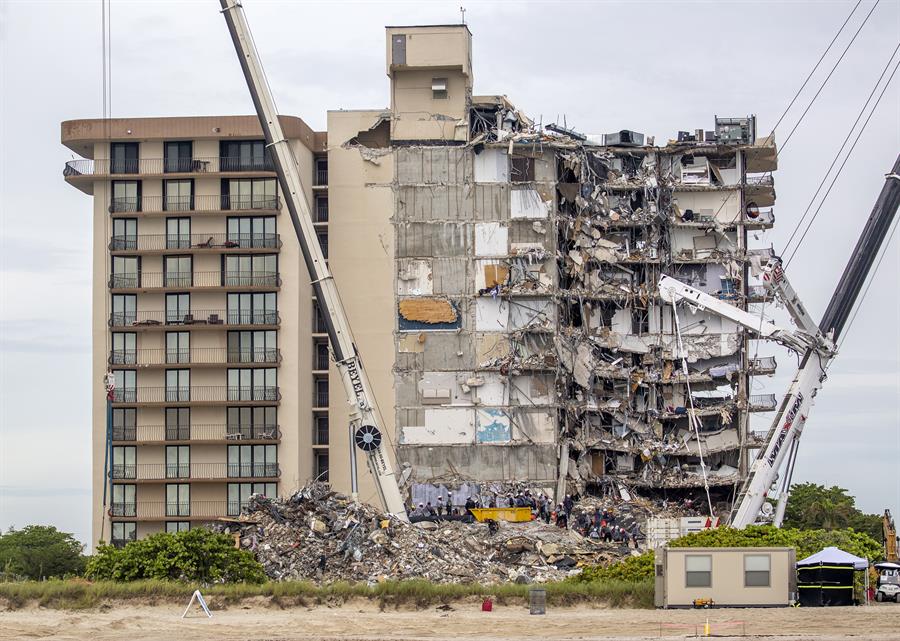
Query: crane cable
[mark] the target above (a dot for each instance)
(843, 146)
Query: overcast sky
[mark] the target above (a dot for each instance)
(654, 67)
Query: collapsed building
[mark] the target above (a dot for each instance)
(531, 342)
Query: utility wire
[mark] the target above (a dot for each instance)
(843, 164)
(843, 145)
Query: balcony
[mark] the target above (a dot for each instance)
(198, 395)
(162, 243)
(194, 471)
(162, 510)
(211, 356)
(149, 281)
(163, 167)
(164, 206)
(758, 294)
(763, 366)
(197, 319)
(762, 403)
(202, 433)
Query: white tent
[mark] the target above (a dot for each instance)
(834, 555)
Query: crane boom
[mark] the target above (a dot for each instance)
(816, 344)
(365, 428)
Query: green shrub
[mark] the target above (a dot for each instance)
(632, 569)
(806, 542)
(196, 555)
(40, 551)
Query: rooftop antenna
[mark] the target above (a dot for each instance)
(462, 13)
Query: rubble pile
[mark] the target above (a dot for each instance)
(323, 535)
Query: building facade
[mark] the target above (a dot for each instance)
(500, 280)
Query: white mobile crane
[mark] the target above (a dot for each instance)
(814, 343)
(365, 428)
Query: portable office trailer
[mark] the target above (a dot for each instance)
(729, 577)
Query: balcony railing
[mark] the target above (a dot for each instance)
(762, 217)
(168, 471)
(193, 355)
(225, 202)
(165, 509)
(320, 399)
(182, 280)
(197, 394)
(156, 242)
(198, 317)
(762, 180)
(206, 165)
(321, 177)
(201, 432)
(758, 293)
(763, 365)
(762, 402)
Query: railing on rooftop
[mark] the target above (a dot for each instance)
(204, 165)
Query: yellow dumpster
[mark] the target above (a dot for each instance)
(512, 514)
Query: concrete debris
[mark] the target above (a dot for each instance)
(322, 535)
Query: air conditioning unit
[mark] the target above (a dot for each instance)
(624, 138)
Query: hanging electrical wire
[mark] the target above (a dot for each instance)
(843, 146)
(841, 168)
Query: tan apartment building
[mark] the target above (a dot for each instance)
(499, 279)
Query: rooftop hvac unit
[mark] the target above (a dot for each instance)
(624, 138)
(736, 131)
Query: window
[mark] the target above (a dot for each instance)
(321, 393)
(178, 499)
(178, 233)
(123, 158)
(178, 308)
(321, 357)
(123, 533)
(698, 571)
(245, 155)
(255, 193)
(178, 461)
(322, 235)
(178, 423)
(173, 527)
(321, 429)
(320, 466)
(239, 494)
(178, 195)
(258, 269)
(521, 169)
(124, 348)
(321, 209)
(124, 234)
(252, 385)
(248, 461)
(178, 385)
(178, 271)
(179, 157)
(640, 321)
(124, 310)
(757, 570)
(124, 421)
(123, 462)
(126, 196)
(178, 347)
(439, 88)
(255, 232)
(252, 422)
(252, 347)
(321, 172)
(123, 500)
(126, 271)
(126, 386)
(252, 309)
